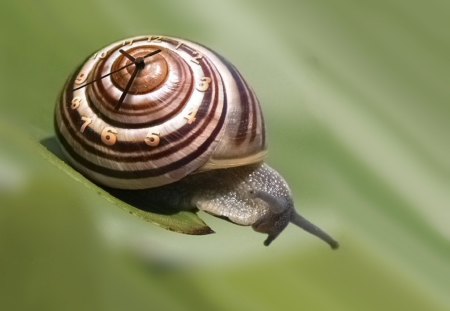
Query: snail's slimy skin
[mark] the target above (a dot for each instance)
(254, 195)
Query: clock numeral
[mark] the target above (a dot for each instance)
(81, 78)
(178, 45)
(152, 139)
(100, 55)
(156, 39)
(109, 136)
(86, 123)
(76, 102)
(191, 116)
(204, 83)
(128, 42)
(196, 58)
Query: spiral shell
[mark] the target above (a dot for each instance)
(188, 110)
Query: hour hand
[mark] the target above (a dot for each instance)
(127, 88)
(127, 55)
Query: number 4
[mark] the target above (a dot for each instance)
(191, 116)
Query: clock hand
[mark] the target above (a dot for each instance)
(134, 60)
(104, 76)
(117, 70)
(140, 64)
(151, 53)
(128, 55)
(127, 88)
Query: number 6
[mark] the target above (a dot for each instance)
(109, 136)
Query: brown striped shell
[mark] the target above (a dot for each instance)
(187, 110)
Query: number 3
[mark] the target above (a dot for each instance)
(204, 83)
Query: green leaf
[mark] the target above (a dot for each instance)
(133, 202)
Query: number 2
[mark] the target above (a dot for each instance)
(197, 57)
(156, 39)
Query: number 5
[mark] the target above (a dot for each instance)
(152, 139)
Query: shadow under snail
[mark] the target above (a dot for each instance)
(174, 117)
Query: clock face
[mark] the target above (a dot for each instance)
(149, 110)
(157, 87)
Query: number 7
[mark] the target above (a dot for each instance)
(87, 121)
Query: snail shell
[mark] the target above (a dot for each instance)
(176, 118)
(188, 110)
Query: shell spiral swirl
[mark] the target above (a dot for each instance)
(187, 109)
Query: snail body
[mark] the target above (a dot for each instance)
(174, 117)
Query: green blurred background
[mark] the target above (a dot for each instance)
(357, 103)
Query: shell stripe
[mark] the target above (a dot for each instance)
(197, 104)
(168, 140)
(168, 100)
(147, 173)
(248, 107)
(249, 104)
(90, 139)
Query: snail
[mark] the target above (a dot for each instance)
(176, 118)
